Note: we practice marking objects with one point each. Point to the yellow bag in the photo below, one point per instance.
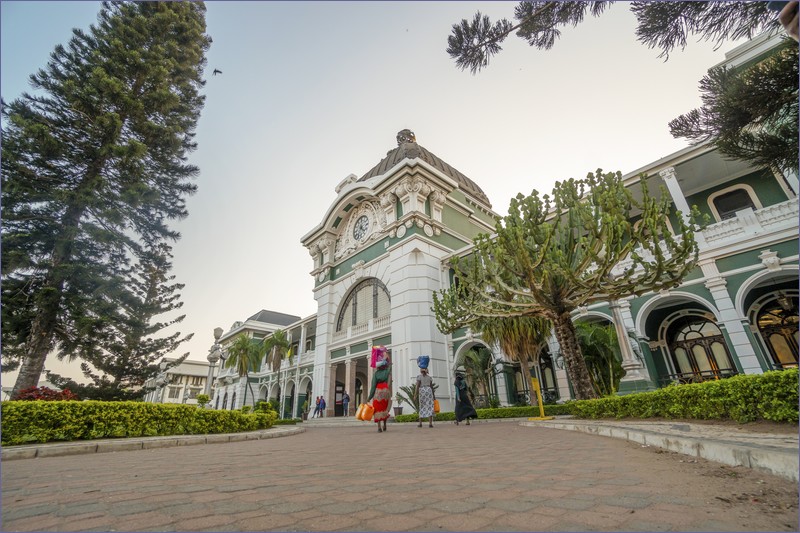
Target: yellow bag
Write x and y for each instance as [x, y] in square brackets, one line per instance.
[435, 406]
[360, 412]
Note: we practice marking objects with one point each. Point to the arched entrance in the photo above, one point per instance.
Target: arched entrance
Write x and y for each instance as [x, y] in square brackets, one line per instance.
[476, 360]
[775, 317]
[698, 349]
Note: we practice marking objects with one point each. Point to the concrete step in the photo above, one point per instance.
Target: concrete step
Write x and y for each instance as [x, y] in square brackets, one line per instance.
[338, 421]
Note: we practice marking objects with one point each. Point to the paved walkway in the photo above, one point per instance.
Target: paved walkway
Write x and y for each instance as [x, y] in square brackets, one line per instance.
[485, 477]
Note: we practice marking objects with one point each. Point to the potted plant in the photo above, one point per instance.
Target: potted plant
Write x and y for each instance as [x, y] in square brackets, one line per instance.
[305, 410]
[398, 408]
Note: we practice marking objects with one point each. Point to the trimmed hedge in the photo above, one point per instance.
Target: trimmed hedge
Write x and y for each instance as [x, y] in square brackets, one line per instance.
[286, 421]
[499, 412]
[29, 422]
[769, 396]
[745, 398]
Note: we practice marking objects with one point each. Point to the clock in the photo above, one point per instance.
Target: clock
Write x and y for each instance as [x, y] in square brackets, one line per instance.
[361, 227]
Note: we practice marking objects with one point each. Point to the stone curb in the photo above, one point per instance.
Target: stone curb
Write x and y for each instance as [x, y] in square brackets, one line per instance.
[8, 453]
[777, 461]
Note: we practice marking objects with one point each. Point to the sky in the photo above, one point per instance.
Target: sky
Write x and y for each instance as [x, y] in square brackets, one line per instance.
[311, 92]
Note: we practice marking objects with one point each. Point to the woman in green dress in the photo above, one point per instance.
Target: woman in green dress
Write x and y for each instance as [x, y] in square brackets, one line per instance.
[380, 393]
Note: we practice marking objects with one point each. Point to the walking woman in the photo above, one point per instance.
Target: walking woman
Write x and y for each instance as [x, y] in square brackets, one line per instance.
[464, 409]
[380, 394]
[423, 392]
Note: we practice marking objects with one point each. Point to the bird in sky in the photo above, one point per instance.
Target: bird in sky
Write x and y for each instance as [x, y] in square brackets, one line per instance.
[216, 71]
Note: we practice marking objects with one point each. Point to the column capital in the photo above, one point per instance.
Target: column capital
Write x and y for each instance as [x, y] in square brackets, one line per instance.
[716, 283]
[668, 174]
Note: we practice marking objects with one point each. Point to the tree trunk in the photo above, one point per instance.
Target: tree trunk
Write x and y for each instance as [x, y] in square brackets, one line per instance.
[573, 359]
[524, 364]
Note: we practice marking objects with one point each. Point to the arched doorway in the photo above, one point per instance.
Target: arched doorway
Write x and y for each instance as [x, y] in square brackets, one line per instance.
[698, 349]
[288, 401]
[477, 362]
[777, 322]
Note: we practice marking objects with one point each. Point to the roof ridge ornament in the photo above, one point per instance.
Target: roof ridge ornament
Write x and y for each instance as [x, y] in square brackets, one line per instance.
[406, 136]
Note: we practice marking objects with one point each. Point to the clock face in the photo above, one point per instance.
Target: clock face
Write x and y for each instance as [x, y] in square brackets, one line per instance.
[361, 227]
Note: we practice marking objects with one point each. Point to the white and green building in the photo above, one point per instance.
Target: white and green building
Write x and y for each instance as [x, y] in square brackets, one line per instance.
[384, 244]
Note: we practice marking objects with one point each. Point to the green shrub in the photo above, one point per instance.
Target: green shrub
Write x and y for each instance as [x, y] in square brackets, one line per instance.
[286, 421]
[744, 398]
[29, 422]
[500, 412]
[245, 408]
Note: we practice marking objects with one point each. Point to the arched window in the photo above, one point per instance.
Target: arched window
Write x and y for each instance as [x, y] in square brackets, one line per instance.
[368, 299]
[233, 401]
[698, 350]
[778, 323]
[725, 203]
[225, 402]
[216, 403]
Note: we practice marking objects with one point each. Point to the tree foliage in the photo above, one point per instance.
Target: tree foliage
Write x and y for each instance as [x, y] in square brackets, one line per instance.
[522, 338]
[601, 351]
[661, 25]
[244, 356]
[93, 169]
[551, 255]
[276, 347]
[132, 345]
[750, 113]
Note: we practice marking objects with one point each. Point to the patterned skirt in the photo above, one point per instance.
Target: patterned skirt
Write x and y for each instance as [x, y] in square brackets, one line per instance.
[425, 402]
[381, 402]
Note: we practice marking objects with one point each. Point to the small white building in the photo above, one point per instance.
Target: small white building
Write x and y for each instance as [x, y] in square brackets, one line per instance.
[179, 384]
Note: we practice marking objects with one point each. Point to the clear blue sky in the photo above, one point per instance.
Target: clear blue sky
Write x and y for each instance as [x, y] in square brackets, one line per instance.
[314, 91]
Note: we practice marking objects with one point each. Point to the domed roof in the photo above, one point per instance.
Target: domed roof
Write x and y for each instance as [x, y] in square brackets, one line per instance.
[407, 148]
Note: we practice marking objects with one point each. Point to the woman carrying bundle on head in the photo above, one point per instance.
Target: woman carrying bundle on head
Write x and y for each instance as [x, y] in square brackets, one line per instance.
[380, 393]
[423, 391]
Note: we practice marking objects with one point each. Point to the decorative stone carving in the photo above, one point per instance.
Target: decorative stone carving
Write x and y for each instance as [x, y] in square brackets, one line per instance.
[388, 199]
[401, 231]
[770, 260]
[358, 269]
[428, 230]
[406, 136]
[352, 178]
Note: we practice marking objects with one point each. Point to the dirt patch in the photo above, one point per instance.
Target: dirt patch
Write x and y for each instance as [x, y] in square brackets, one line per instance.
[745, 493]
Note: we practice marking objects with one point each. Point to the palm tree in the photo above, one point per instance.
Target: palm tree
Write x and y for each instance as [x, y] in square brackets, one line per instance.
[244, 356]
[600, 349]
[521, 338]
[276, 347]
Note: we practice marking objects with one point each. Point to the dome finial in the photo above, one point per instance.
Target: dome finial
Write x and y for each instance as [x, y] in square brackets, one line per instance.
[405, 136]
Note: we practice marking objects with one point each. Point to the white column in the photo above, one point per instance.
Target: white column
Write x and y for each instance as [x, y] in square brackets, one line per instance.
[636, 378]
[730, 318]
[674, 188]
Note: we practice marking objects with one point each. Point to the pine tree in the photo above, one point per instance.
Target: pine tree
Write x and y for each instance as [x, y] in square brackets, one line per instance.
[93, 169]
[662, 25]
[552, 255]
[132, 346]
[750, 113]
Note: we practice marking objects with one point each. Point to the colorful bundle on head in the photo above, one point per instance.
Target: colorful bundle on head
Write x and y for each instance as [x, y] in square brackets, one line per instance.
[378, 353]
[423, 360]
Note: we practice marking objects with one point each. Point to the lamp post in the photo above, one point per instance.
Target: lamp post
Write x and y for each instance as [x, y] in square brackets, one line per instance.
[213, 356]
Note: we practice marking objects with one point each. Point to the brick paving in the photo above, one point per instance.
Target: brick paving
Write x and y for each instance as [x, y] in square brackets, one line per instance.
[485, 477]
